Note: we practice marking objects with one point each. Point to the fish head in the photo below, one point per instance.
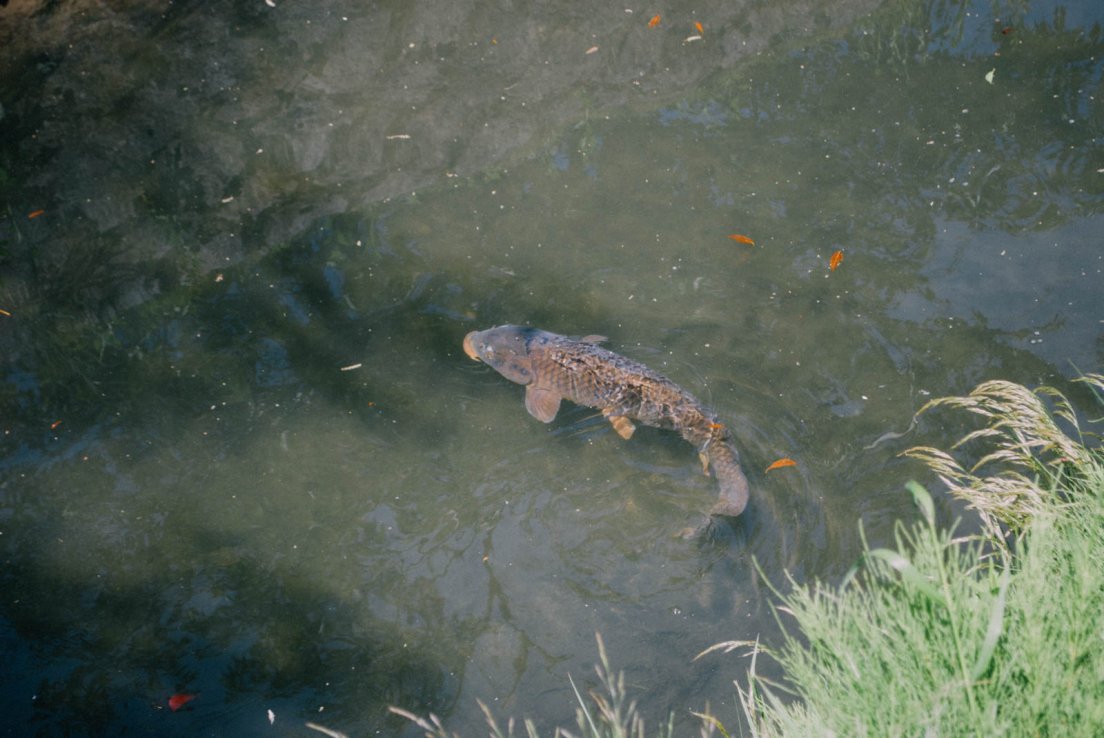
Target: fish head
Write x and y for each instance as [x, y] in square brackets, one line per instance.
[505, 349]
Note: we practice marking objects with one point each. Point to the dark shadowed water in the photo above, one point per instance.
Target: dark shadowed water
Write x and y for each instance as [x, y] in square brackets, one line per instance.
[244, 457]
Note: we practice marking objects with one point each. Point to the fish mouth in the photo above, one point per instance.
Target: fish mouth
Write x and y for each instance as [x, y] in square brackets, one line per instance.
[469, 349]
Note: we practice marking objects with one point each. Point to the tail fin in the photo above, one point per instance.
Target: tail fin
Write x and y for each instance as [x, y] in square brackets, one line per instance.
[725, 464]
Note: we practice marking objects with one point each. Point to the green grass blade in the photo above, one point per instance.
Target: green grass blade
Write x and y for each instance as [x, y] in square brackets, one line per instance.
[923, 500]
[909, 574]
[993, 632]
[583, 706]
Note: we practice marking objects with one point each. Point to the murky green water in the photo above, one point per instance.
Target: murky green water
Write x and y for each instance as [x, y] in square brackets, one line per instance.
[244, 456]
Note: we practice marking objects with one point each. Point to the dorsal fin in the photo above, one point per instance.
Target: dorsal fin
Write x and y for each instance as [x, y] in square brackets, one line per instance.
[593, 338]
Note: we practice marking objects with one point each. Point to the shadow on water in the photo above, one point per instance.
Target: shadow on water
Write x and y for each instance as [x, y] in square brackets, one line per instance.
[244, 456]
[117, 619]
[223, 626]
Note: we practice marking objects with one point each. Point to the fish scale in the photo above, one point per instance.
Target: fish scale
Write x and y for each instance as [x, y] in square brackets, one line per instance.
[554, 367]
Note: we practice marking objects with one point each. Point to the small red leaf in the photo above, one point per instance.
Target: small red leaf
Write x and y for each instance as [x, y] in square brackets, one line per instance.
[836, 260]
[741, 239]
[179, 700]
[654, 21]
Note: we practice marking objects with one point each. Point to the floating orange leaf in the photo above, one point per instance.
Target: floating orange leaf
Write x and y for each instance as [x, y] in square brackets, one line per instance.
[741, 239]
[179, 700]
[654, 21]
[698, 26]
[34, 214]
[836, 260]
[782, 463]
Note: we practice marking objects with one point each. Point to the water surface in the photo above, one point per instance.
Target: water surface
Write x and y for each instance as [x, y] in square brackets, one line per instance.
[245, 457]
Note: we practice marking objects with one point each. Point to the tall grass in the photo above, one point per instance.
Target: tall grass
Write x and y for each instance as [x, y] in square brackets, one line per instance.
[1026, 457]
[608, 713]
[997, 635]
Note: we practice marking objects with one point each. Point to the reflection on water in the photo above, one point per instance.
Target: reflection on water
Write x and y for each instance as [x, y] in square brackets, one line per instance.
[245, 457]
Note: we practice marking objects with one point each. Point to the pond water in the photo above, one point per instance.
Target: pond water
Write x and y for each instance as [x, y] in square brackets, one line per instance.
[244, 456]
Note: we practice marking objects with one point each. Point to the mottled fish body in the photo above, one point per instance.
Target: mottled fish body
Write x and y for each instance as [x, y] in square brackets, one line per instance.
[553, 368]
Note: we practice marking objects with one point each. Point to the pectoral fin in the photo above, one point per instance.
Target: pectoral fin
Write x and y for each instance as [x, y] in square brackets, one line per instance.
[542, 404]
[621, 424]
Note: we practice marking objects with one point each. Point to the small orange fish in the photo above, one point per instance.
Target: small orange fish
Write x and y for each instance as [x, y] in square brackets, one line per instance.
[782, 463]
[34, 214]
[179, 700]
[654, 21]
[741, 239]
[698, 26]
[836, 260]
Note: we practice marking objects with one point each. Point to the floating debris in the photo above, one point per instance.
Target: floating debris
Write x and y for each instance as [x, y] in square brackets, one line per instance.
[179, 700]
[327, 731]
[782, 463]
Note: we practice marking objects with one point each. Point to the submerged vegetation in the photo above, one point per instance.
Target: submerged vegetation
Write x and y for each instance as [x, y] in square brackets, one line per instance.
[1000, 633]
